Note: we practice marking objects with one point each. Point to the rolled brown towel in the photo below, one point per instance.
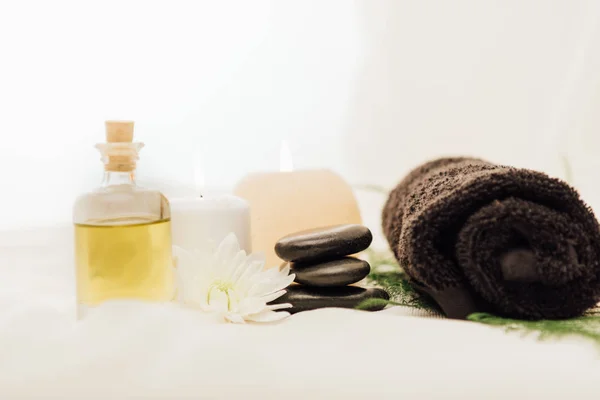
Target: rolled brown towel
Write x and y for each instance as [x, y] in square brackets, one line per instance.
[476, 236]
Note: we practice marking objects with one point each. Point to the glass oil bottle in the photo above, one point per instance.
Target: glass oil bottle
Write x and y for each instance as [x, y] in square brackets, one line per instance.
[122, 231]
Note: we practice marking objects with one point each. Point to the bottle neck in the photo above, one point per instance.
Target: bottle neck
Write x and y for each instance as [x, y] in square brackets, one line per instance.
[114, 178]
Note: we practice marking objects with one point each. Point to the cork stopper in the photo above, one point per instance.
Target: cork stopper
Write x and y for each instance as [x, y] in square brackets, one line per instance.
[119, 153]
[119, 131]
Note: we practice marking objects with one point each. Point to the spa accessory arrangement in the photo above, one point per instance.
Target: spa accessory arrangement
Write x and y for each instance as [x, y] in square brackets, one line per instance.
[471, 240]
[133, 243]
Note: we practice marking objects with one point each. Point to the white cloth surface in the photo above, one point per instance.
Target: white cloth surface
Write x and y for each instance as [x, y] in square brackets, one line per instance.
[127, 349]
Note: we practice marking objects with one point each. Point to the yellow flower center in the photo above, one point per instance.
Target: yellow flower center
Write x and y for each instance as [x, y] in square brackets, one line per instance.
[223, 287]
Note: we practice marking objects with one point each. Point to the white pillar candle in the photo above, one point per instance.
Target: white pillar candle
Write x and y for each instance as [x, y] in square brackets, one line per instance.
[195, 220]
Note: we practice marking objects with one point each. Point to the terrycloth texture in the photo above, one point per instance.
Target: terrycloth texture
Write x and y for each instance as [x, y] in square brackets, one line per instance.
[492, 238]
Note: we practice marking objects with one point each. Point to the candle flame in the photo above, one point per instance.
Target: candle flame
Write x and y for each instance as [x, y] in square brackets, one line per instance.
[285, 158]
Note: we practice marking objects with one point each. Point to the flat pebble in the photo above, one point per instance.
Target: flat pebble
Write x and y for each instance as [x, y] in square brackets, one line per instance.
[305, 298]
[341, 272]
[324, 243]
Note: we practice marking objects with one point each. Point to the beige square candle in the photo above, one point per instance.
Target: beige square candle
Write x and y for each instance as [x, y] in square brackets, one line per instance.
[286, 202]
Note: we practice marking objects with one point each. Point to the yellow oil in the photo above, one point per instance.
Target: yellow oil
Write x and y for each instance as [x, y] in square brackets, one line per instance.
[130, 261]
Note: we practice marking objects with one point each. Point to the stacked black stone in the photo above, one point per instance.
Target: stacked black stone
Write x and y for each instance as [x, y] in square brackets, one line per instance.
[321, 260]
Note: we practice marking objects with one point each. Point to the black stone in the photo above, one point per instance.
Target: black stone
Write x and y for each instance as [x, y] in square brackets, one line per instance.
[341, 272]
[324, 243]
[304, 298]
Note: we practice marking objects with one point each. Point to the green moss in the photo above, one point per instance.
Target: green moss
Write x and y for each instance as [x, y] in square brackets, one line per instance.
[587, 326]
[370, 304]
[387, 274]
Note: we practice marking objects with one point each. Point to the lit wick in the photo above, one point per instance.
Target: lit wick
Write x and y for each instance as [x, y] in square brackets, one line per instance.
[199, 180]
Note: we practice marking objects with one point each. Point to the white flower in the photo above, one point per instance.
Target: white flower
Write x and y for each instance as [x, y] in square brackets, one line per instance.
[226, 281]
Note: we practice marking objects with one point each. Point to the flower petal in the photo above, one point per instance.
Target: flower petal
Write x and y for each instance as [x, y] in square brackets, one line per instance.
[251, 305]
[218, 301]
[195, 290]
[285, 270]
[262, 288]
[268, 316]
[235, 318]
[236, 267]
[246, 280]
[273, 296]
[259, 256]
[267, 275]
[227, 250]
[281, 306]
[274, 273]
[198, 298]
[253, 264]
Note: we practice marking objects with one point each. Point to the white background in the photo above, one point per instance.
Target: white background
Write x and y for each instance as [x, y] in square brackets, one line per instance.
[368, 88]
